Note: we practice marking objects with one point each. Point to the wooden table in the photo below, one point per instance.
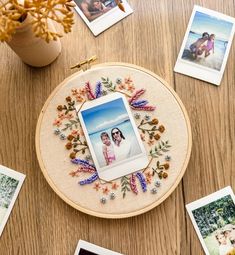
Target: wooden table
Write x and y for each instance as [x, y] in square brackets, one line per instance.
[41, 223]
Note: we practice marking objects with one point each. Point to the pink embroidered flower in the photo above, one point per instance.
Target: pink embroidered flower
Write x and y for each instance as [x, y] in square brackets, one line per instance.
[96, 186]
[61, 116]
[106, 190]
[131, 88]
[69, 116]
[74, 132]
[57, 122]
[148, 175]
[142, 136]
[149, 180]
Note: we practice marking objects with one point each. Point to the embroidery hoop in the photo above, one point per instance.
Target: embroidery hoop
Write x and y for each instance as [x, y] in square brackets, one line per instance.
[113, 215]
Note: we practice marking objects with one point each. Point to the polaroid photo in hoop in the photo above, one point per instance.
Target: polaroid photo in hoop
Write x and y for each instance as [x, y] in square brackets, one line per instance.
[99, 15]
[205, 48]
[85, 248]
[112, 136]
[213, 218]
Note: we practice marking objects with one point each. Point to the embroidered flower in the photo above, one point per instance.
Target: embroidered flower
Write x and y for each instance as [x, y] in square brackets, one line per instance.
[74, 173]
[147, 117]
[112, 196]
[79, 98]
[57, 122]
[60, 108]
[131, 88]
[61, 115]
[68, 99]
[161, 128]
[154, 121]
[115, 185]
[168, 158]
[105, 190]
[69, 116]
[137, 116]
[82, 91]
[74, 92]
[69, 145]
[72, 155]
[148, 174]
[150, 142]
[121, 86]
[157, 137]
[128, 80]
[142, 137]
[166, 166]
[74, 132]
[118, 80]
[149, 180]
[70, 137]
[96, 186]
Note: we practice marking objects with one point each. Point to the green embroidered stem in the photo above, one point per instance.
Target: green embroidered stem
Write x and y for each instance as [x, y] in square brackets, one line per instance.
[158, 149]
[125, 183]
[154, 131]
[108, 84]
[71, 124]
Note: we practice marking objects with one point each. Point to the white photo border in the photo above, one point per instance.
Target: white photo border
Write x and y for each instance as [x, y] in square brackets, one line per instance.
[106, 20]
[19, 177]
[128, 166]
[196, 70]
[205, 201]
[93, 248]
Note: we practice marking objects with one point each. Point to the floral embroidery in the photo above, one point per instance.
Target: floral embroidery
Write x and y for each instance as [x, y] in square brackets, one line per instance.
[151, 130]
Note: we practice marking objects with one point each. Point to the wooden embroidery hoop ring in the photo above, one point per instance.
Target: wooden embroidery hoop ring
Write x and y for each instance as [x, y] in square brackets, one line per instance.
[133, 213]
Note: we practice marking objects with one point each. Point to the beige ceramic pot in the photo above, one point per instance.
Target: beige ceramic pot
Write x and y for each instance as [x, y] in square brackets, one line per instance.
[32, 50]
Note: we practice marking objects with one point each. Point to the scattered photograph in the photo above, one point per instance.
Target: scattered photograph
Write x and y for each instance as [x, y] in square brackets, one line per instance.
[99, 15]
[85, 248]
[213, 218]
[206, 45]
[111, 134]
[10, 184]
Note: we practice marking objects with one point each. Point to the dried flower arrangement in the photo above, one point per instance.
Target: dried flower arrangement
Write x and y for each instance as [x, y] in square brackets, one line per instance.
[13, 13]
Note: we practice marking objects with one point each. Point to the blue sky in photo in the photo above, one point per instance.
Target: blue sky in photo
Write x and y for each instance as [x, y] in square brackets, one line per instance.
[205, 23]
[105, 116]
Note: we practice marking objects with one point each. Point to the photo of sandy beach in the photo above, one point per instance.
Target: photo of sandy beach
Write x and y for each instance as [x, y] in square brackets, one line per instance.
[207, 41]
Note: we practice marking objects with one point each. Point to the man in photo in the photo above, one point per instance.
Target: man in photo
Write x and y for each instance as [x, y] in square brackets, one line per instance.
[93, 9]
[122, 147]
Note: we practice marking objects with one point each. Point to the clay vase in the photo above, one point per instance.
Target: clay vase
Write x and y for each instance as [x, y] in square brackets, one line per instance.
[33, 50]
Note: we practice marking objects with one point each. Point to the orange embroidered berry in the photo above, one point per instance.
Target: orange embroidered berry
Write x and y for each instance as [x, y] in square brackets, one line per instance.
[161, 129]
[60, 108]
[69, 146]
[68, 99]
[165, 175]
[166, 166]
[72, 155]
[154, 122]
[70, 137]
[157, 137]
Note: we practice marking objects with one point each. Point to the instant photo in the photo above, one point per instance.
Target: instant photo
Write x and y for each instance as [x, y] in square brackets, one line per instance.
[206, 45]
[10, 184]
[85, 248]
[99, 15]
[213, 218]
[112, 136]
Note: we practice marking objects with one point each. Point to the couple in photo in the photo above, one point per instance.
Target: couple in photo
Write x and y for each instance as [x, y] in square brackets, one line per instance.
[226, 240]
[93, 9]
[117, 149]
[205, 44]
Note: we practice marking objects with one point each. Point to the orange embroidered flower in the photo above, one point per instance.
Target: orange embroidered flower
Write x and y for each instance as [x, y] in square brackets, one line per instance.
[79, 98]
[150, 142]
[70, 137]
[74, 173]
[131, 88]
[96, 186]
[82, 91]
[74, 132]
[157, 137]
[166, 166]
[72, 155]
[121, 86]
[128, 80]
[60, 107]
[115, 185]
[61, 115]
[161, 129]
[105, 190]
[74, 92]
[69, 116]
[68, 145]
[57, 122]
[149, 180]
[68, 99]
[148, 175]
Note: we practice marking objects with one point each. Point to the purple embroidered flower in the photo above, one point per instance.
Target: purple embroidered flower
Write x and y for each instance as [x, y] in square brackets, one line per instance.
[142, 180]
[139, 103]
[98, 90]
[91, 179]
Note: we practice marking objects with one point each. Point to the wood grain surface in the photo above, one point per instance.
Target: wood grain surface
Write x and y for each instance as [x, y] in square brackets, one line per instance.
[41, 223]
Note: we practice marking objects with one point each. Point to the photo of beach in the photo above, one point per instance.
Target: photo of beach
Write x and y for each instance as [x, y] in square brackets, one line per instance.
[111, 133]
[8, 187]
[207, 41]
